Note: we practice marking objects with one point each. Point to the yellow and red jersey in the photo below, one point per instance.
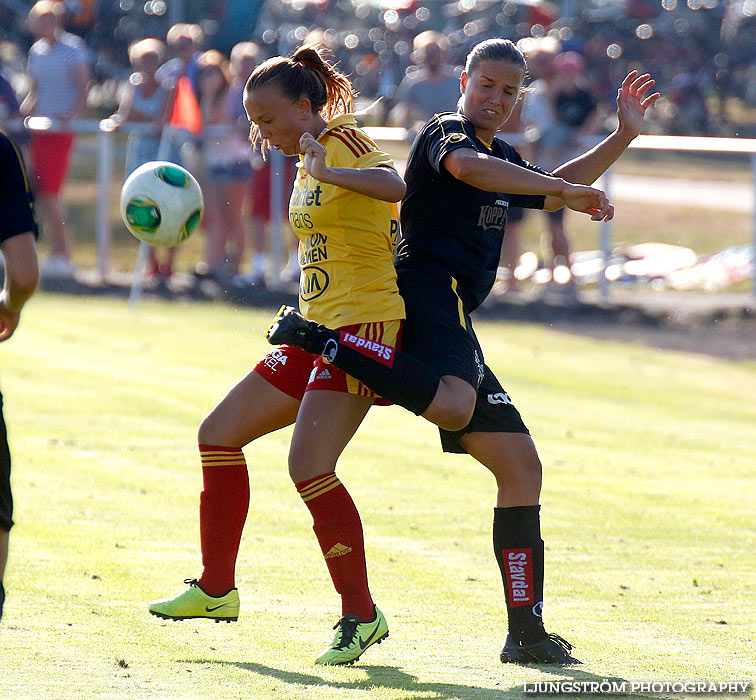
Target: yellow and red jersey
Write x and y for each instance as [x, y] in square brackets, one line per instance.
[346, 239]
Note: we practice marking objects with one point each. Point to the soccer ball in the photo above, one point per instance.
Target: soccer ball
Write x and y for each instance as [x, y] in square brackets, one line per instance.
[161, 203]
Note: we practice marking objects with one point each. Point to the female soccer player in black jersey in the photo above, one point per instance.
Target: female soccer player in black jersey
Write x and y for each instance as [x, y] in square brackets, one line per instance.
[460, 183]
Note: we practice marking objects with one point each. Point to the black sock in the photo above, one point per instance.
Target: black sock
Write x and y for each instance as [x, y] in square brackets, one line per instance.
[519, 552]
[390, 373]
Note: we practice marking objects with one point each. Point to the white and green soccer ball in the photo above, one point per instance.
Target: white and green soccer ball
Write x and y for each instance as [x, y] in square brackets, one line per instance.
[161, 203]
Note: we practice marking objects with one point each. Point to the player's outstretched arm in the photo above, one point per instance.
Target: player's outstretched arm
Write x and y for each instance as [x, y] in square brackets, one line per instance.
[632, 102]
[21, 278]
[379, 183]
[496, 175]
[492, 174]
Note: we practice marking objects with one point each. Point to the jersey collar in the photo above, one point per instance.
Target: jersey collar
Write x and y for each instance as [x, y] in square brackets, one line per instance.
[471, 126]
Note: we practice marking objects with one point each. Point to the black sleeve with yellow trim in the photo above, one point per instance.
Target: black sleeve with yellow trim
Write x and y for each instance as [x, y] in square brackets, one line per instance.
[16, 200]
[443, 134]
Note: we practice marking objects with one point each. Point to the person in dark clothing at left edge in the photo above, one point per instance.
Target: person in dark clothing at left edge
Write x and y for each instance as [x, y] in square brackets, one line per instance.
[18, 232]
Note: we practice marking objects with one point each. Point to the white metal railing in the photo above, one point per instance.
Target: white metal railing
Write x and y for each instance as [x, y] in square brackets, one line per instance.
[105, 128]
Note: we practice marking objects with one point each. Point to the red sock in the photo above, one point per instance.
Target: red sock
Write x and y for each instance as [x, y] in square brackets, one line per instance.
[338, 528]
[224, 503]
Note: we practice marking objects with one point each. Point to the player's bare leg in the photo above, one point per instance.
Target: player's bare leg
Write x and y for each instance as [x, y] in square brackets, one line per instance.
[326, 422]
[252, 408]
[518, 547]
[513, 460]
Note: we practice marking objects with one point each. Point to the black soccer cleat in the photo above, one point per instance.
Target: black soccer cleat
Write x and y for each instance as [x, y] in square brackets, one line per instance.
[552, 649]
[289, 327]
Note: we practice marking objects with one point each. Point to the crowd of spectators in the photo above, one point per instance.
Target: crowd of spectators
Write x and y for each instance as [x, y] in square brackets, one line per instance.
[120, 57]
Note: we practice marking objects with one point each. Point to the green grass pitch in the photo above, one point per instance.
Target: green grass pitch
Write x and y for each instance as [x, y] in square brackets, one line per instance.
[649, 505]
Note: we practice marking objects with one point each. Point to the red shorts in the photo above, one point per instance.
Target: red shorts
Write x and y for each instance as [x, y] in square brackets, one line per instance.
[295, 371]
[259, 203]
[50, 155]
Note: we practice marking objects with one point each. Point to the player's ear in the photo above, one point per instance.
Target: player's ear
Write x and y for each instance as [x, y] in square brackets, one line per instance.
[303, 107]
[463, 82]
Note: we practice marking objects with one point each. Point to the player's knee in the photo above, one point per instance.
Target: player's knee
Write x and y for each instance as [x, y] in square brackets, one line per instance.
[301, 468]
[455, 415]
[209, 432]
[453, 406]
[529, 470]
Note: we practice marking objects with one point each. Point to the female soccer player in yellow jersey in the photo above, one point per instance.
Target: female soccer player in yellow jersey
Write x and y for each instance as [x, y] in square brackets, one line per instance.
[343, 211]
[460, 183]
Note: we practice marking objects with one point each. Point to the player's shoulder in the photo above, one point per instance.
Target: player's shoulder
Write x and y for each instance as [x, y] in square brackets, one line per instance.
[445, 123]
[449, 129]
[345, 136]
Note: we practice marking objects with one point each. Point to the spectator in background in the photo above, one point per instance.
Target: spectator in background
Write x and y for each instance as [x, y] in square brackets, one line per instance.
[58, 68]
[691, 113]
[558, 112]
[261, 218]
[533, 115]
[433, 87]
[179, 76]
[244, 59]
[184, 43]
[227, 171]
[144, 101]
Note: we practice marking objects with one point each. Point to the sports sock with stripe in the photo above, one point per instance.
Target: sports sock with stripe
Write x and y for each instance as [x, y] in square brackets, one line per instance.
[519, 552]
[224, 503]
[338, 527]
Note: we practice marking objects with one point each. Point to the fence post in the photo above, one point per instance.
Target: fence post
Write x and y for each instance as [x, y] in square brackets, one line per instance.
[605, 234]
[102, 211]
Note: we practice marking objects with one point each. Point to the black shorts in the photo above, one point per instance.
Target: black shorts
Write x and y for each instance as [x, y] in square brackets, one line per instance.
[439, 332]
[6, 498]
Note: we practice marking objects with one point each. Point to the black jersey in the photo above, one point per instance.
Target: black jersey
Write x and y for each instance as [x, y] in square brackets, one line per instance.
[449, 221]
[16, 202]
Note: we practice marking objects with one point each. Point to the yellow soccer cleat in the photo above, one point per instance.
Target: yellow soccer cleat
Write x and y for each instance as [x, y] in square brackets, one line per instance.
[352, 638]
[195, 603]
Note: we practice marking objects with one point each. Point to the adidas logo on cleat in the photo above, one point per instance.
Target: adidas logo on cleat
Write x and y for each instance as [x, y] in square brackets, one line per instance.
[338, 550]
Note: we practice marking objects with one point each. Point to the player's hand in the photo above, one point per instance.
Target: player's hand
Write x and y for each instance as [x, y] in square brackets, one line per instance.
[588, 200]
[8, 321]
[314, 156]
[632, 101]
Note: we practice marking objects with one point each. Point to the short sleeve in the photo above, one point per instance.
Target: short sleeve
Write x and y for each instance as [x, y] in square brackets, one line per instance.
[441, 137]
[15, 197]
[350, 147]
[375, 159]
